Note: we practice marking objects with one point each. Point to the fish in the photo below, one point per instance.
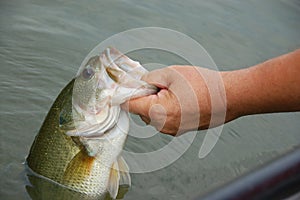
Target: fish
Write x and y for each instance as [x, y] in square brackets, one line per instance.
[80, 142]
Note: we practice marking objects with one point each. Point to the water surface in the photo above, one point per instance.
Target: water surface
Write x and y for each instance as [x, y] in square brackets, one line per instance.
[42, 44]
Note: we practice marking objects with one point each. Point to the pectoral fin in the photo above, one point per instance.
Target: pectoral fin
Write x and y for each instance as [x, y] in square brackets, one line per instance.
[114, 178]
[78, 169]
[124, 172]
[119, 175]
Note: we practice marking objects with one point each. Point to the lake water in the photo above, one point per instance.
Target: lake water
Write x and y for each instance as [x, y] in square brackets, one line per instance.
[42, 44]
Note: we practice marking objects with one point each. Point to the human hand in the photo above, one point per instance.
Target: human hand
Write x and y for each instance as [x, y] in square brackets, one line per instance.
[187, 98]
[198, 98]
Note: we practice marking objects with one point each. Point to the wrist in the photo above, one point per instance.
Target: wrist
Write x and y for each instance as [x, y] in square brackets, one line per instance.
[236, 93]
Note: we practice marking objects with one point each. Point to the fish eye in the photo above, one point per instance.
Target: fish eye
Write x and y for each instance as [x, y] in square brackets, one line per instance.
[88, 73]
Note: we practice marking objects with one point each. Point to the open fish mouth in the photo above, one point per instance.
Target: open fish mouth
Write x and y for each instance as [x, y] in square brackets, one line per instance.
[127, 74]
[105, 82]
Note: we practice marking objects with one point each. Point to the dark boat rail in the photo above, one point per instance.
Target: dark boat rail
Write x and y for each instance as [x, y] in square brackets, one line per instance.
[279, 179]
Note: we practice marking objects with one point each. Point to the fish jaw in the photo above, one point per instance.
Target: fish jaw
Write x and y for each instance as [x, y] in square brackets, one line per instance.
[120, 130]
[92, 125]
[117, 60]
[123, 94]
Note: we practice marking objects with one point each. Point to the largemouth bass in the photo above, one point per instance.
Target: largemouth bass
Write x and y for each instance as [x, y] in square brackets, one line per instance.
[80, 141]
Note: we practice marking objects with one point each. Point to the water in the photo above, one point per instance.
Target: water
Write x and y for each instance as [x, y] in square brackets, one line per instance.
[42, 44]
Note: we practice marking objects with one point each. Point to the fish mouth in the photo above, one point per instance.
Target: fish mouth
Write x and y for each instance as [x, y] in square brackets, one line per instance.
[126, 76]
[92, 125]
[91, 133]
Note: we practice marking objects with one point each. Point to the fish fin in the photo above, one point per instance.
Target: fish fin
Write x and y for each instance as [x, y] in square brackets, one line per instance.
[114, 178]
[78, 169]
[124, 172]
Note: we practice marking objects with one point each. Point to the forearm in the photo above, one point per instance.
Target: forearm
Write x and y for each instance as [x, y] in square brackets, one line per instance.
[272, 86]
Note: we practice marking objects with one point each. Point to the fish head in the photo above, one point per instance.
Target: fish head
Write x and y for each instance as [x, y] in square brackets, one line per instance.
[93, 113]
[103, 83]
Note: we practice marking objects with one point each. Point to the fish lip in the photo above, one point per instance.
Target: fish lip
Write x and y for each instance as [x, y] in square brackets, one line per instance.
[93, 126]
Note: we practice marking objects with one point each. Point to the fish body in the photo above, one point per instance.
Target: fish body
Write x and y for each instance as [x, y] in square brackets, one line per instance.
[80, 141]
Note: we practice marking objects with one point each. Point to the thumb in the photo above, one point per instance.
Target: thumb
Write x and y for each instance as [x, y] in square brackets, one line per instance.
[139, 106]
[158, 77]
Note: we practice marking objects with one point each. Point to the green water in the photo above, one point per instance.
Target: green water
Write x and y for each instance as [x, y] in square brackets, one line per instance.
[42, 44]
